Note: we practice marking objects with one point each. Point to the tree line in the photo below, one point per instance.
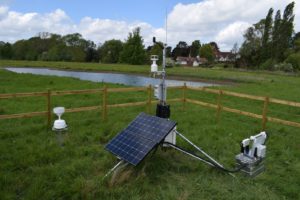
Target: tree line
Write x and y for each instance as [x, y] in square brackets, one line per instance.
[271, 43]
[73, 47]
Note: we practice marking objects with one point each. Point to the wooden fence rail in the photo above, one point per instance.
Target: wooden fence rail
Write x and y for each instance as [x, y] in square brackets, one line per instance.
[246, 96]
[266, 102]
[149, 101]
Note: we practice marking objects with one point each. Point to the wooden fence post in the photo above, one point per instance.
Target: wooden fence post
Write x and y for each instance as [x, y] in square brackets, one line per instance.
[264, 114]
[104, 103]
[149, 98]
[219, 105]
[49, 108]
[184, 95]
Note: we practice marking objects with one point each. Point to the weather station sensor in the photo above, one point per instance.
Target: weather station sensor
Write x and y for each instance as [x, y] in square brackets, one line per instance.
[59, 124]
[154, 66]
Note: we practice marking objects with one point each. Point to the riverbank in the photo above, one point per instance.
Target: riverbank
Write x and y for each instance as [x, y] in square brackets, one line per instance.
[194, 73]
[117, 78]
[277, 85]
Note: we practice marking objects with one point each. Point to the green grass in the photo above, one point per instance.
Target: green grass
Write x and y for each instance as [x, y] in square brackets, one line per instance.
[34, 166]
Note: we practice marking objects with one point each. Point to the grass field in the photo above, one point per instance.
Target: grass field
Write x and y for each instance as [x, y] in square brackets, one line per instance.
[34, 166]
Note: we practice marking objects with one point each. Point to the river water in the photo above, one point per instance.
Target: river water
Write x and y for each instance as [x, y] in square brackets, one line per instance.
[126, 79]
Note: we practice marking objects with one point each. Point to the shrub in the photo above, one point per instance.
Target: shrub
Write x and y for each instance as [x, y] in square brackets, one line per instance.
[268, 65]
[169, 63]
[286, 67]
[294, 59]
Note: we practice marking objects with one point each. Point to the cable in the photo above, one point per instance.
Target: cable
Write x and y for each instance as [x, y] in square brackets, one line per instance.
[205, 160]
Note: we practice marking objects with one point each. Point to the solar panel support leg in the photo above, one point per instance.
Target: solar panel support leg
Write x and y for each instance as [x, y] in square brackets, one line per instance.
[196, 147]
[113, 169]
[185, 152]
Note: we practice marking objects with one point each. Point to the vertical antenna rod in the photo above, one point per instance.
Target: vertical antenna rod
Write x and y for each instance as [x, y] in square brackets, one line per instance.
[166, 26]
[162, 108]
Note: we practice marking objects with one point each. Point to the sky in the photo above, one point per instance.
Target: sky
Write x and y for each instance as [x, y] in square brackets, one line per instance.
[222, 21]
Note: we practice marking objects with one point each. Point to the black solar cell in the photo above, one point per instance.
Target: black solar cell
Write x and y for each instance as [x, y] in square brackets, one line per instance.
[140, 137]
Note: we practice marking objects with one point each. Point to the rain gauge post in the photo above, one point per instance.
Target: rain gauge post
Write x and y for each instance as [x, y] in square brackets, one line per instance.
[162, 108]
[60, 126]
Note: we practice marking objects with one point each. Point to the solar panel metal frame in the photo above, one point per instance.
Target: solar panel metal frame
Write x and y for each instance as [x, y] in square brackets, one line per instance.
[141, 136]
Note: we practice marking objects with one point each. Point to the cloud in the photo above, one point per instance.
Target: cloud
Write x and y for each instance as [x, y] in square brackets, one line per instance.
[223, 21]
[15, 25]
[208, 20]
[233, 33]
[103, 29]
[3, 11]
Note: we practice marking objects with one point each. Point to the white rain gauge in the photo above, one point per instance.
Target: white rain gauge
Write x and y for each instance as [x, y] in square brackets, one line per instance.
[59, 124]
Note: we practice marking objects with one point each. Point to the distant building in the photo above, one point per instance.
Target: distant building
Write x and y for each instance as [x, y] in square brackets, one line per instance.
[182, 60]
[221, 56]
[190, 61]
[224, 56]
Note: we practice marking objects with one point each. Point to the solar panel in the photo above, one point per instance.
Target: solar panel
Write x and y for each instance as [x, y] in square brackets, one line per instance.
[140, 137]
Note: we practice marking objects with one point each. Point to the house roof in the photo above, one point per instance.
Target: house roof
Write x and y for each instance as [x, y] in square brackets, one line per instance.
[224, 54]
[187, 59]
[191, 59]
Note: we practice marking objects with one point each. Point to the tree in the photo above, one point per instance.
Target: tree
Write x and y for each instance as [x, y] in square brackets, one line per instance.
[78, 47]
[181, 49]
[133, 50]
[44, 35]
[234, 51]
[74, 40]
[294, 58]
[156, 50]
[251, 46]
[268, 42]
[169, 52]
[286, 30]
[20, 47]
[214, 46]
[296, 45]
[296, 37]
[48, 46]
[91, 55]
[282, 32]
[58, 53]
[110, 51]
[276, 36]
[5, 50]
[206, 51]
[195, 48]
[266, 37]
